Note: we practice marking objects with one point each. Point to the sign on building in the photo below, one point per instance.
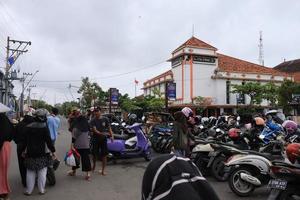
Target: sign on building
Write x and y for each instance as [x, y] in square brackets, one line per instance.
[171, 91]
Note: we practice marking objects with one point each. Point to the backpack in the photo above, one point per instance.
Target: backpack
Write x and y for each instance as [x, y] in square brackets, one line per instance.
[170, 177]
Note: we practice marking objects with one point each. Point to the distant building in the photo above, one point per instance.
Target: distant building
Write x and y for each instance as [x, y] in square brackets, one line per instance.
[292, 67]
[200, 71]
[11, 101]
[157, 83]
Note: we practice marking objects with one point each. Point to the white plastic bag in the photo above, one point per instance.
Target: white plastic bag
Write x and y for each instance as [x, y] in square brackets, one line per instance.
[70, 160]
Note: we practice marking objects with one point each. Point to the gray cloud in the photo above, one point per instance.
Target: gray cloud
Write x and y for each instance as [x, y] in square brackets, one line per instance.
[71, 39]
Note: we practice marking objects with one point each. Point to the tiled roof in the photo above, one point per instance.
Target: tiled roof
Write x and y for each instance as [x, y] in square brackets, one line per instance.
[231, 64]
[169, 72]
[195, 42]
[289, 66]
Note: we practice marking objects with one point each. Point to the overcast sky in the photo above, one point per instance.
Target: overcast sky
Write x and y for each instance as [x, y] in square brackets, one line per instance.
[116, 41]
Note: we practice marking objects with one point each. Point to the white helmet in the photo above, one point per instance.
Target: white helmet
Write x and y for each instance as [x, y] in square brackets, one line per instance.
[187, 112]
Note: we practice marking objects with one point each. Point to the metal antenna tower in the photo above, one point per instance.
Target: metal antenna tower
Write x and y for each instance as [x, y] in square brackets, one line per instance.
[261, 49]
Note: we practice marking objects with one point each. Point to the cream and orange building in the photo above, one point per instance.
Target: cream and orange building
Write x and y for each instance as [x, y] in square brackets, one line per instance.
[199, 70]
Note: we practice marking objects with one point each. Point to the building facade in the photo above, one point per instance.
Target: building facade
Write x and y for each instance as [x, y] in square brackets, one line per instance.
[200, 71]
[2, 90]
[292, 67]
[157, 84]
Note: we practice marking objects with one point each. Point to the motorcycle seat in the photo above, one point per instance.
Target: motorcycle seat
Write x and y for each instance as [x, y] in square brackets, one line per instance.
[121, 137]
[268, 156]
[132, 150]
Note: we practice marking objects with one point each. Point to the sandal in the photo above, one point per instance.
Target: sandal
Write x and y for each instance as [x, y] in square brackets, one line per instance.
[88, 178]
[102, 173]
[71, 173]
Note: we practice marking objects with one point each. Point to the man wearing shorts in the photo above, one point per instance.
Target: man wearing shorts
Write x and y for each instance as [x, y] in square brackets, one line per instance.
[100, 131]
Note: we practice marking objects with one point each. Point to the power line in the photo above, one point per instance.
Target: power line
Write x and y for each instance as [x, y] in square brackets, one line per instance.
[103, 77]
[17, 26]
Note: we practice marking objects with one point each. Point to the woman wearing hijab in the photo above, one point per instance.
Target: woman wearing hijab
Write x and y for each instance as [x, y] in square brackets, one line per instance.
[81, 143]
[181, 135]
[6, 135]
[37, 160]
[19, 140]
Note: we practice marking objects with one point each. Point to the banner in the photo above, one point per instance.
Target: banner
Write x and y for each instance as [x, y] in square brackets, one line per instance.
[114, 92]
[171, 91]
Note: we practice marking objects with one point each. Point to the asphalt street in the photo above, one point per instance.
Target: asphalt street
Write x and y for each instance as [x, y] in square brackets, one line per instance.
[123, 180]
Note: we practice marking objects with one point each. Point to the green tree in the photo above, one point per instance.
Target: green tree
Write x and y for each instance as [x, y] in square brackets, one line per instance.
[285, 94]
[156, 104]
[127, 104]
[270, 93]
[41, 104]
[252, 89]
[66, 108]
[92, 93]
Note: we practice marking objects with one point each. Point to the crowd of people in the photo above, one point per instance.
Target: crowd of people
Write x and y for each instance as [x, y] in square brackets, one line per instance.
[35, 137]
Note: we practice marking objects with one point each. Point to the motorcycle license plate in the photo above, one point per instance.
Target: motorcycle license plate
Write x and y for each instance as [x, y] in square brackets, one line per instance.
[277, 184]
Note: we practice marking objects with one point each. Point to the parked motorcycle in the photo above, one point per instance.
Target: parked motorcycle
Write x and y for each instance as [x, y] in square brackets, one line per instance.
[250, 169]
[117, 147]
[285, 182]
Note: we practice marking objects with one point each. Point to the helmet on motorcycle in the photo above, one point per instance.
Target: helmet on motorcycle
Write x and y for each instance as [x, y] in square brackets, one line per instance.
[212, 120]
[259, 121]
[293, 152]
[290, 126]
[41, 115]
[187, 112]
[204, 120]
[234, 133]
[132, 118]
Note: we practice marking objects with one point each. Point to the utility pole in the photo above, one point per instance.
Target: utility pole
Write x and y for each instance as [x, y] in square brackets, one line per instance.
[29, 93]
[109, 100]
[261, 50]
[25, 75]
[23, 79]
[12, 54]
[166, 97]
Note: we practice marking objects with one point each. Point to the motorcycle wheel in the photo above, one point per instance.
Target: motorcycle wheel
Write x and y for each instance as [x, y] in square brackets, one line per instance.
[155, 144]
[217, 168]
[51, 180]
[237, 185]
[291, 193]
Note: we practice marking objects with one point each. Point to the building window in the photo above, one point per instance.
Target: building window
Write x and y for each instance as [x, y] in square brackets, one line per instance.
[241, 98]
[176, 61]
[227, 92]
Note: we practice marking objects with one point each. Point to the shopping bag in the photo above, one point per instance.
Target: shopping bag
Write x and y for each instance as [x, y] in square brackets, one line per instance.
[76, 156]
[70, 159]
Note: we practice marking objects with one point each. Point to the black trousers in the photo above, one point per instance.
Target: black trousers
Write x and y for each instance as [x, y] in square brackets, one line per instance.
[85, 160]
[22, 167]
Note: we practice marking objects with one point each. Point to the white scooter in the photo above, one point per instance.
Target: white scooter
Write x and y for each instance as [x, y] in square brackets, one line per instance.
[250, 169]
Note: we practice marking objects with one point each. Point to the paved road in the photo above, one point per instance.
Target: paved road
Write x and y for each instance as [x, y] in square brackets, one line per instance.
[122, 182]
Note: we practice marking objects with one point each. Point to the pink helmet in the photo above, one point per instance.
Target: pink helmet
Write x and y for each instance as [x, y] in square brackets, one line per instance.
[290, 126]
[187, 112]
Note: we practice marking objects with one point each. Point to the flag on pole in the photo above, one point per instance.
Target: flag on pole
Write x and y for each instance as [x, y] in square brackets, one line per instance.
[136, 81]
[11, 60]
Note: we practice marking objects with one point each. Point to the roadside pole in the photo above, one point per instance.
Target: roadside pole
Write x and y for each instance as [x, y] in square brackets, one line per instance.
[11, 59]
[6, 73]
[166, 97]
